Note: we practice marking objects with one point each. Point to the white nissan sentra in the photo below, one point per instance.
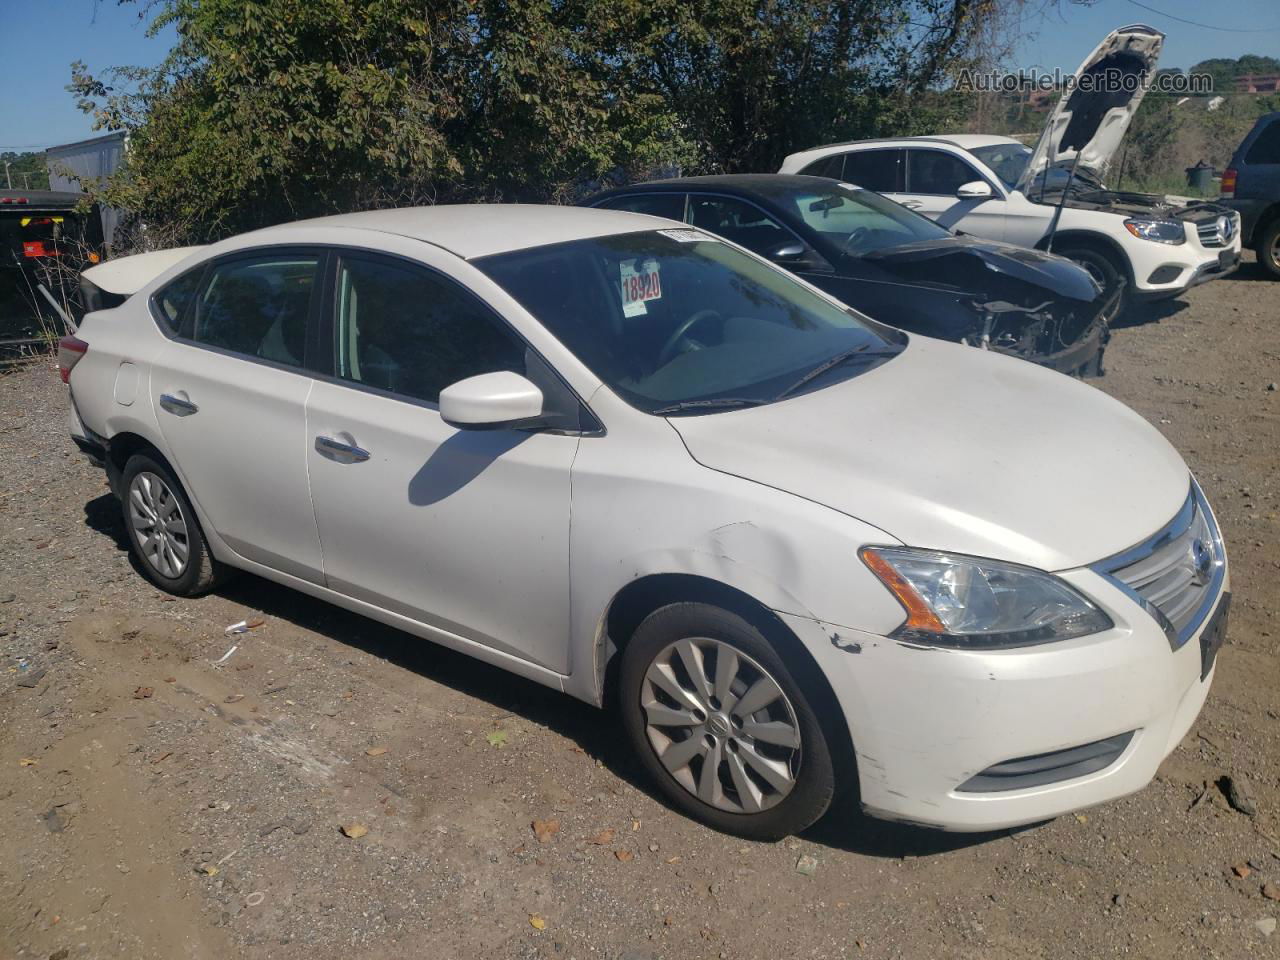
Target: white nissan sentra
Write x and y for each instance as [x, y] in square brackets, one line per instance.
[800, 550]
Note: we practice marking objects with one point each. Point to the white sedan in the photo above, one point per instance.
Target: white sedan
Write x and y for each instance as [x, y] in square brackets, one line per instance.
[798, 549]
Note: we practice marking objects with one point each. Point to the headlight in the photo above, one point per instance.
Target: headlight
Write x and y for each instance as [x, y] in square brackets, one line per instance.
[1161, 231]
[958, 601]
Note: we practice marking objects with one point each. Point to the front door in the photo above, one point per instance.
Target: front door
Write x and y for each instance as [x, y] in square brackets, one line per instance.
[464, 530]
[933, 177]
[230, 397]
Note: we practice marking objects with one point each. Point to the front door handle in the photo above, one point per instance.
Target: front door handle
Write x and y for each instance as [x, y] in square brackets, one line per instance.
[178, 406]
[911, 204]
[341, 452]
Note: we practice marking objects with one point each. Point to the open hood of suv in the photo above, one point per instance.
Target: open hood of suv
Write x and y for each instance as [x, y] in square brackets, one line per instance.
[1089, 122]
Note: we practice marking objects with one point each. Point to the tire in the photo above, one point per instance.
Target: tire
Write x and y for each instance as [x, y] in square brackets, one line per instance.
[1105, 270]
[148, 487]
[764, 787]
[1268, 249]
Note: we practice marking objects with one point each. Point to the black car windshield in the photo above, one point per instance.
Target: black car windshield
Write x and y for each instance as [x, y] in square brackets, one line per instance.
[858, 221]
[677, 322]
[1006, 160]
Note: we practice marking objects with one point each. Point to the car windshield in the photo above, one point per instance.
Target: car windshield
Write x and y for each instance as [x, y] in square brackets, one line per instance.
[859, 221]
[678, 322]
[1006, 160]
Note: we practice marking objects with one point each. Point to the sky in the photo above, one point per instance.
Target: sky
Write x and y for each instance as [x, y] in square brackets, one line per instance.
[42, 37]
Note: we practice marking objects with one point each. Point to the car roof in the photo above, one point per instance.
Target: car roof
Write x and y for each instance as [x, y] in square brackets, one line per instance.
[766, 183]
[965, 141]
[480, 229]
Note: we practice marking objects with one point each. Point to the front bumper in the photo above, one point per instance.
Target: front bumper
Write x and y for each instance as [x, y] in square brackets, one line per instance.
[1161, 272]
[924, 721]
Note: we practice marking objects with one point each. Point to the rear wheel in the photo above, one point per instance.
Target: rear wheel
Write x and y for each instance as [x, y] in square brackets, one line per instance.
[1268, 249]
[721, 725]
[1109, 275]
[163, 530]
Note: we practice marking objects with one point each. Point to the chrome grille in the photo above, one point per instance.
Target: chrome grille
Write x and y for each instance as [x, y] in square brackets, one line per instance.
[1220, 231]
[1176, 575]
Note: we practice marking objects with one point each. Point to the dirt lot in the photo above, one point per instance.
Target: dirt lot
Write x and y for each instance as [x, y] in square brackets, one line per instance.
[159, 803]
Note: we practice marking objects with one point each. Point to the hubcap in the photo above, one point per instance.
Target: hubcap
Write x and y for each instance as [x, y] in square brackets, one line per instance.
[158, 525]
[721, 725]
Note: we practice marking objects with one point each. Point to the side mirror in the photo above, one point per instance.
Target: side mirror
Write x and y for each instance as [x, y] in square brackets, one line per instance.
[490, 401]
[788, 253]
[975, 190]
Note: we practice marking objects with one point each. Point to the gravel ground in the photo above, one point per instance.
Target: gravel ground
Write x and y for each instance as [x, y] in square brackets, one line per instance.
[160, 801]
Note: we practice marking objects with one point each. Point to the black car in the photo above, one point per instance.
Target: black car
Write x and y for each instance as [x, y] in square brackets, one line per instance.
[46, 239]
[1252, 185]
[895, 265]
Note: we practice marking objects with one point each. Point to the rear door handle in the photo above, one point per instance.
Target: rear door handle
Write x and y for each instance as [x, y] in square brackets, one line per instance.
[340, 452]
[178, 406]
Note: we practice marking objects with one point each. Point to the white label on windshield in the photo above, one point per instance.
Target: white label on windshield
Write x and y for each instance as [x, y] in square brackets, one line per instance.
[641, 282]
[686, 236]
[849, 186]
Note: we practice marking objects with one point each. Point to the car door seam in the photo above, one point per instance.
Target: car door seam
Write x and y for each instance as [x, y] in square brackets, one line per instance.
[306, 461]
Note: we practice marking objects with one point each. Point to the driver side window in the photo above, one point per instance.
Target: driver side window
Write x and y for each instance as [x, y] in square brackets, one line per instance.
[741, 222]
[936, 173]
[408, 331]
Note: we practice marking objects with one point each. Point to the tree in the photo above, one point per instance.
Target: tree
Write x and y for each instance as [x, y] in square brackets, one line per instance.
[270, 110]
[25, 171]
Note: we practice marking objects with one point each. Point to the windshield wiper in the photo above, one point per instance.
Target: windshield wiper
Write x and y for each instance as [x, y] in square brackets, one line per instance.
[714, 403]
[831, 362]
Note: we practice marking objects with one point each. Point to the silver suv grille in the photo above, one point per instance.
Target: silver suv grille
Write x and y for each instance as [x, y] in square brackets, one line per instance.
[1176, 575]
[1220, 231]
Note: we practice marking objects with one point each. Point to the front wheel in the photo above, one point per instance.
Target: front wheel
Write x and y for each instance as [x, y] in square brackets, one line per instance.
[721, 725]
[1268, 249]
[1109, 275]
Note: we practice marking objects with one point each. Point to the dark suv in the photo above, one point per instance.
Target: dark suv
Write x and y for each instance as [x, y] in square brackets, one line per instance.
[1252, 185]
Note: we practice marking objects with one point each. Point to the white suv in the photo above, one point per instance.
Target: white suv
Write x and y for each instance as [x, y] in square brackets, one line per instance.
[1150, 247]
[634, 462]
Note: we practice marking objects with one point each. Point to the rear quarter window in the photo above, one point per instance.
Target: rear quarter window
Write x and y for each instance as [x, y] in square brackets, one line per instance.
[1265, 149]
[171, 303]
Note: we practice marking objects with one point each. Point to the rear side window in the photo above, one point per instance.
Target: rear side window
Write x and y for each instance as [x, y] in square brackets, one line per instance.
[173, 301]
[409, 331]
[258, 306]
[1266, 149]
[669, 205]
[935, 172]
[878, 170]
[832, 166]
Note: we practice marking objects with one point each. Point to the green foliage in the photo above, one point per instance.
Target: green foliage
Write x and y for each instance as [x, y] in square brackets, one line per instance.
[26, 171]
[1224, 70]
[271, 110]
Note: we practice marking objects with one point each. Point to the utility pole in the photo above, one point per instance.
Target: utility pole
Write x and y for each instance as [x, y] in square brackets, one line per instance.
[8, 182]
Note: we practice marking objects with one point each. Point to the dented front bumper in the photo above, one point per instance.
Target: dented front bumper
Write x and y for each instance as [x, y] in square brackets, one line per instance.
[925, 722]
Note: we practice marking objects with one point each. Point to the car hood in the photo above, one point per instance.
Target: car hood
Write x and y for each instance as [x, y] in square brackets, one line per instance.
[1055, 274]
[953, 448]
[1087, 126]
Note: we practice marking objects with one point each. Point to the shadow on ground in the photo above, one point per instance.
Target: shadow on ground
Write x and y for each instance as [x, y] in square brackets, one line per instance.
[845, 826]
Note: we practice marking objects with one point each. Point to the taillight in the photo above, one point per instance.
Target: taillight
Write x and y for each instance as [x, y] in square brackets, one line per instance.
[70, 349]
[1229, 178]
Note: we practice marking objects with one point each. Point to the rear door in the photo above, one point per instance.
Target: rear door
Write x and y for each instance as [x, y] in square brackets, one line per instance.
[464, 530]
[230, 393]
[882, 170]
[933, 177]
